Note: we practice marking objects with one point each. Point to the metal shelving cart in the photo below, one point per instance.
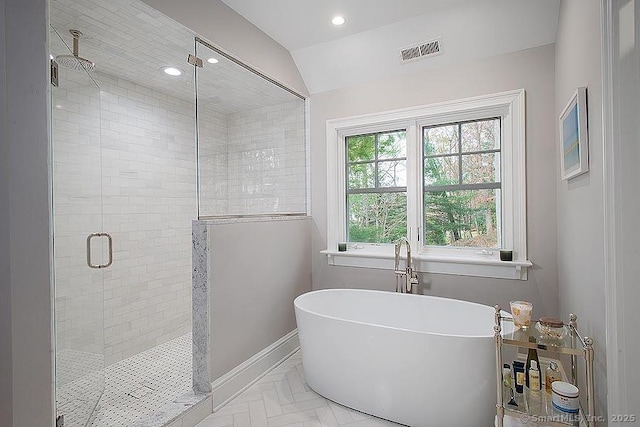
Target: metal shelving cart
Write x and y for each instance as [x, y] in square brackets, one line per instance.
[572, 344]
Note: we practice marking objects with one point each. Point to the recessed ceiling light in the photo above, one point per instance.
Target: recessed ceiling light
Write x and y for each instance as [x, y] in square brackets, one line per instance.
[172, 71]
[337, 20]
[212, 61]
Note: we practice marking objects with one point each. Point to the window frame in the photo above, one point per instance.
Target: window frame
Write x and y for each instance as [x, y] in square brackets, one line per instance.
[468, 251]
[510, 107]
[377, 188]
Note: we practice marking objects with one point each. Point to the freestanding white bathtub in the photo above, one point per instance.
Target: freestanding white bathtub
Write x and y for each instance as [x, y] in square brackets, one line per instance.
[413, 359]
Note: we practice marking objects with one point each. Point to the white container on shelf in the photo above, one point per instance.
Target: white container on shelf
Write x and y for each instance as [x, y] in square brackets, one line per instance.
[564, 396]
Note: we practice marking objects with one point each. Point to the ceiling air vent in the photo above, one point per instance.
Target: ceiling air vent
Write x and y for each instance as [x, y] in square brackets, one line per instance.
[422, 50]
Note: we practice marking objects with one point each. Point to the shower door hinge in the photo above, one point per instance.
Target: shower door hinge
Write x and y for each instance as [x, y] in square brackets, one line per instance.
[54, 75]
[60, 421]
[194, 60]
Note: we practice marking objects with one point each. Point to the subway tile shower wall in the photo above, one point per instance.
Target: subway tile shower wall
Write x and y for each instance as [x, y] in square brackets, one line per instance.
[253, 161]
[213, 158]
[145, 141]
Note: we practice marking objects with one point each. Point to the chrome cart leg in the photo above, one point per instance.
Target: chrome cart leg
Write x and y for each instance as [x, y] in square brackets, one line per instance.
[498, 340]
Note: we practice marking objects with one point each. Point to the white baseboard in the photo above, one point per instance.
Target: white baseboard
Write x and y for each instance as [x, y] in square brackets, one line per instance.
[250, 371]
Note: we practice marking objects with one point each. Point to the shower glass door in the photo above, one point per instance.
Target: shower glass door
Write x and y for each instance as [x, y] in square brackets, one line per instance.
[78, 251]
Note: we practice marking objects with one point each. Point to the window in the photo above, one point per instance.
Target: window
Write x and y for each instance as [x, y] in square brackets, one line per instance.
[461, 169]
[376, 187]
[450, 177]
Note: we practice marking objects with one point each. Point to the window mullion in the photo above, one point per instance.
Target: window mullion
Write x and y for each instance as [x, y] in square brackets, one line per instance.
[414, 180]
[376, 160]
[460, 153]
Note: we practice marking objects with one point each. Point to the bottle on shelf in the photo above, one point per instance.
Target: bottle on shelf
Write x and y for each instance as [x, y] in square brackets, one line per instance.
[506, 375]
[534, 377]
[532, 355]
[551, 374]
[520, 375]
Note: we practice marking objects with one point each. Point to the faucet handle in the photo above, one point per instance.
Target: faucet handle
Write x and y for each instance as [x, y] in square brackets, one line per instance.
[413, 281]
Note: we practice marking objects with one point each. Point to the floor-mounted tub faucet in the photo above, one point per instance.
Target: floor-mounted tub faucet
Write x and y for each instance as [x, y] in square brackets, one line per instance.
[405, 279]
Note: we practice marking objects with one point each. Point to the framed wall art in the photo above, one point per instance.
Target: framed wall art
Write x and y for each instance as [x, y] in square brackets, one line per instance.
[574, 136]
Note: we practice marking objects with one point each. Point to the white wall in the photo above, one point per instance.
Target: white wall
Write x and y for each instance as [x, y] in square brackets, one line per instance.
[27, 208]
[258, 268]
[532, 70]
[580, 203]
[222, 26]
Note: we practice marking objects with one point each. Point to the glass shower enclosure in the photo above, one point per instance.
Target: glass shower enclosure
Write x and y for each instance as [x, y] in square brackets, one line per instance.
[252, 154]
[123, 153]
[143, 143]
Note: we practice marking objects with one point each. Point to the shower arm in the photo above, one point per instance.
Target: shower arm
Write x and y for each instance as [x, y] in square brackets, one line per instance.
[76, 41]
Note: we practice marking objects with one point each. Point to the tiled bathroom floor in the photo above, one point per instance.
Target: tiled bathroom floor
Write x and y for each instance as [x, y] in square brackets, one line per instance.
[145, 390]
[282, 398]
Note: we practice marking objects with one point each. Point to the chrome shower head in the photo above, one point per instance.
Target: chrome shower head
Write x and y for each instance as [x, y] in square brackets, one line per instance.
[74, 61]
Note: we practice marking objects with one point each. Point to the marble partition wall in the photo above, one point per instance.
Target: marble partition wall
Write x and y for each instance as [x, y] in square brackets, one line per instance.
[246, 273]
[201, 304]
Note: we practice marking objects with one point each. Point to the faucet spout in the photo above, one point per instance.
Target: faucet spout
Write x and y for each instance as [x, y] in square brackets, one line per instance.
[405, 279]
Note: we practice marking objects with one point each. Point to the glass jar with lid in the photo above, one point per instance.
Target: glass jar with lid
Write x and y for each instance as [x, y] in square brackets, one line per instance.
[551, 329]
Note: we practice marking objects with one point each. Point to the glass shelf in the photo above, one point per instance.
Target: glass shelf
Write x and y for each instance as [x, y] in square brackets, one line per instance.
[571, 344]
[537, 407]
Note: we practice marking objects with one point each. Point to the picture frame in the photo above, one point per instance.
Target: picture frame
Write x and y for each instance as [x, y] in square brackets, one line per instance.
[574, 136]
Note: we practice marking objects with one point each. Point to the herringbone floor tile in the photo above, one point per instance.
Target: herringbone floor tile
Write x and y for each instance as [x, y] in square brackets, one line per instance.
[282, 398]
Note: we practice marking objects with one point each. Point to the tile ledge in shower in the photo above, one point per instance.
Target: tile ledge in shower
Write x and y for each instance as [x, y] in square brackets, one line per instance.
[258, 218]
[462, 266]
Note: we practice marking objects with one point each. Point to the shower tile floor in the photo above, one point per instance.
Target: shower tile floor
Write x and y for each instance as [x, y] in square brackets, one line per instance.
[145, 390]
[283, 398]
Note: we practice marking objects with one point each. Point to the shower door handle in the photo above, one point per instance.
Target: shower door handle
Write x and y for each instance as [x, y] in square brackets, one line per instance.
[110, 261]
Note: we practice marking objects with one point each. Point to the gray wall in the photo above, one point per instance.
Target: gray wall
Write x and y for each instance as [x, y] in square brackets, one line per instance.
[580, 201]
[258, 268]
[222, 26]
[25, 209]
[532, 70]
[5, 270]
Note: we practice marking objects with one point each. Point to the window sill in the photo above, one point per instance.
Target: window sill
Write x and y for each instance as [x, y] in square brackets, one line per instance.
[469, 266]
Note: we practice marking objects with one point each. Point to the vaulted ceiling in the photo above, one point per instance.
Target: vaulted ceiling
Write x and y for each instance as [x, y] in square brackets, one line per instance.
[367, 46]
[131, 40]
